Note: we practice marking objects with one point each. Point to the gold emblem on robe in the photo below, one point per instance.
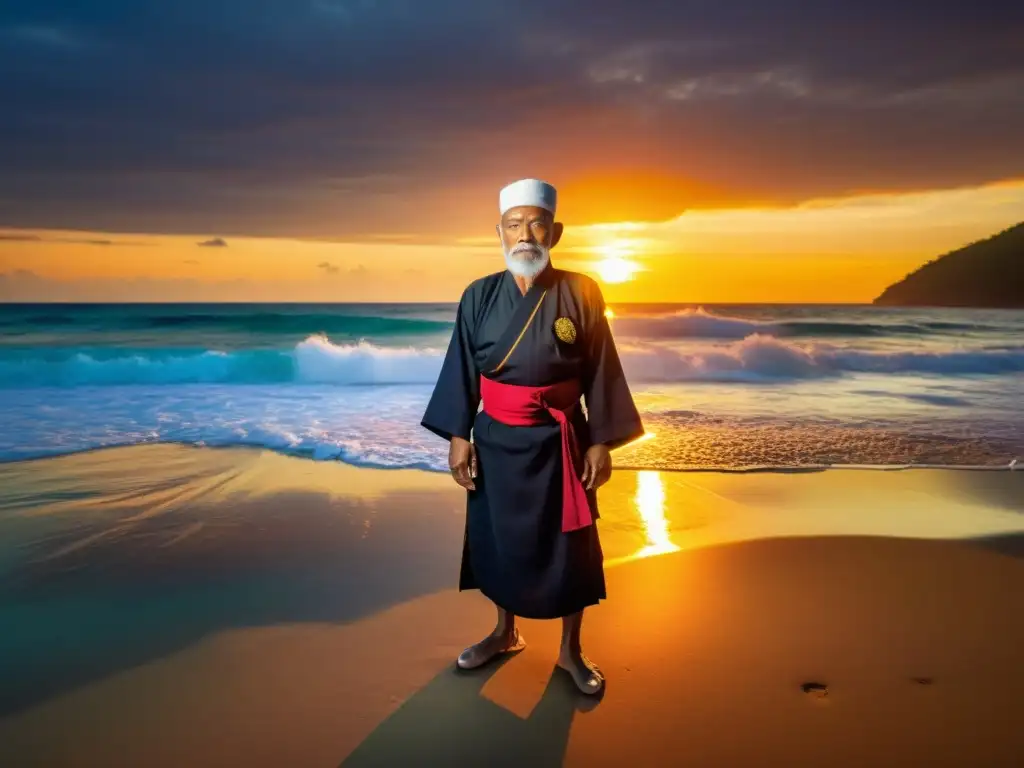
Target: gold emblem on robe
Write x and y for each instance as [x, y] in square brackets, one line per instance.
[565, 330]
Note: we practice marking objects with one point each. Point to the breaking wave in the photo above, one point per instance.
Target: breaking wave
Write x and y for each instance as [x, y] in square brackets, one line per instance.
[316, 360]
[759, 357]
[700, 324]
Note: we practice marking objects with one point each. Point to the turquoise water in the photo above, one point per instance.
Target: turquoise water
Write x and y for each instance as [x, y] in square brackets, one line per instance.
[730, 386]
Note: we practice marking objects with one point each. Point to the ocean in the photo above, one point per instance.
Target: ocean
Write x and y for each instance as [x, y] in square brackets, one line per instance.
[726, 387]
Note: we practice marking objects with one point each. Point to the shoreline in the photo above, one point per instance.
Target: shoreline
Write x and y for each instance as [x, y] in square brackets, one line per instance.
[1015, 464]
[85, 512]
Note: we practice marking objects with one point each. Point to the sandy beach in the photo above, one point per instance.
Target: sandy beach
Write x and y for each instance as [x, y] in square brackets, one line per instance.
[167, 606]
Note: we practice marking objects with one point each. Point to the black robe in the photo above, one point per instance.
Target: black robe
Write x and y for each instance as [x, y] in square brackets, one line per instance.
[514, 549]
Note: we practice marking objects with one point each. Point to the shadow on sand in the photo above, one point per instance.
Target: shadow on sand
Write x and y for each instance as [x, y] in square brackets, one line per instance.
[450, 723]
[142, 593]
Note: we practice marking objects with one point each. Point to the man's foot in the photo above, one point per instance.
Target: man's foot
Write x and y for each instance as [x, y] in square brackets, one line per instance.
[490, 647]
[585, 673]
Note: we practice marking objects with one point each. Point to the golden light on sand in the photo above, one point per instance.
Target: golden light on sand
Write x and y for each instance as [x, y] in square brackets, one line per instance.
[650, 504]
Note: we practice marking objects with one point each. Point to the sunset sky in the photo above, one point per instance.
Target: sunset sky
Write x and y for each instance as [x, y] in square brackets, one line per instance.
[338, 150]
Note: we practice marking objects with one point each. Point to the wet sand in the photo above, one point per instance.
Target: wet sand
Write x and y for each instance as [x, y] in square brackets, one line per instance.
[168, 606]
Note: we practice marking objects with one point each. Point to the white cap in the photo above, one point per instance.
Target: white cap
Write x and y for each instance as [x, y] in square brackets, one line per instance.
[527, 192]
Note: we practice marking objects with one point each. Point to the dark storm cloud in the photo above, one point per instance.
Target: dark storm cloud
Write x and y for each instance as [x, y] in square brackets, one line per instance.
[325, 117]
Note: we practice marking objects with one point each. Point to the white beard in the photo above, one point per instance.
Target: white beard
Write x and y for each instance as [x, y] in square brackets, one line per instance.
[529, 262]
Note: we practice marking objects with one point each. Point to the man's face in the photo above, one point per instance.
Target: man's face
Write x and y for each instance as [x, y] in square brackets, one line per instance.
[527, 236]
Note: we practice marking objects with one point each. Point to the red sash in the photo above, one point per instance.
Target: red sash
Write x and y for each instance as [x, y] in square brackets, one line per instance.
[519, 406]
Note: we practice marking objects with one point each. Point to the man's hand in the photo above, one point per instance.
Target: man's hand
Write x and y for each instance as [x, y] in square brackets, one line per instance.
[597, 467]
[462, 462]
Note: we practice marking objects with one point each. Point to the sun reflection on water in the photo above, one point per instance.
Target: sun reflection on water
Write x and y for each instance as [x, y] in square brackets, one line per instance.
[650, 504]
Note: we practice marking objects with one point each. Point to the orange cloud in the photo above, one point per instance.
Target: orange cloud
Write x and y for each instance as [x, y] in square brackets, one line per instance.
[636, 195]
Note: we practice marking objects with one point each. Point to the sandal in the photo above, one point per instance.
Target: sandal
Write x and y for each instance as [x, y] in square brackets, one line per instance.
[589, 679]
[475, 656]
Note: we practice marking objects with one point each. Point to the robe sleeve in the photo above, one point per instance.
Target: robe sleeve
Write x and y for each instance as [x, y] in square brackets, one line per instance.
[612, 415]
[456, 397]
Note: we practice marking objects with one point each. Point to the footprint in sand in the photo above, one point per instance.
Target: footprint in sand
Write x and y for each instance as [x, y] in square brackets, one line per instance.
[923, 680]
[816, 691]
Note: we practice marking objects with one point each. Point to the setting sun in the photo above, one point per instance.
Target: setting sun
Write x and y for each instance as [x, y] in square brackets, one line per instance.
[616, 269]
[614, 265]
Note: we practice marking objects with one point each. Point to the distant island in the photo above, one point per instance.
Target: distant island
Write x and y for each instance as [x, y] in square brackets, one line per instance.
[988, 273]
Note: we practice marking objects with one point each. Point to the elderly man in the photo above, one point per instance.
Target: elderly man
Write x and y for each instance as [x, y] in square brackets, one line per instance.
[529, 342]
